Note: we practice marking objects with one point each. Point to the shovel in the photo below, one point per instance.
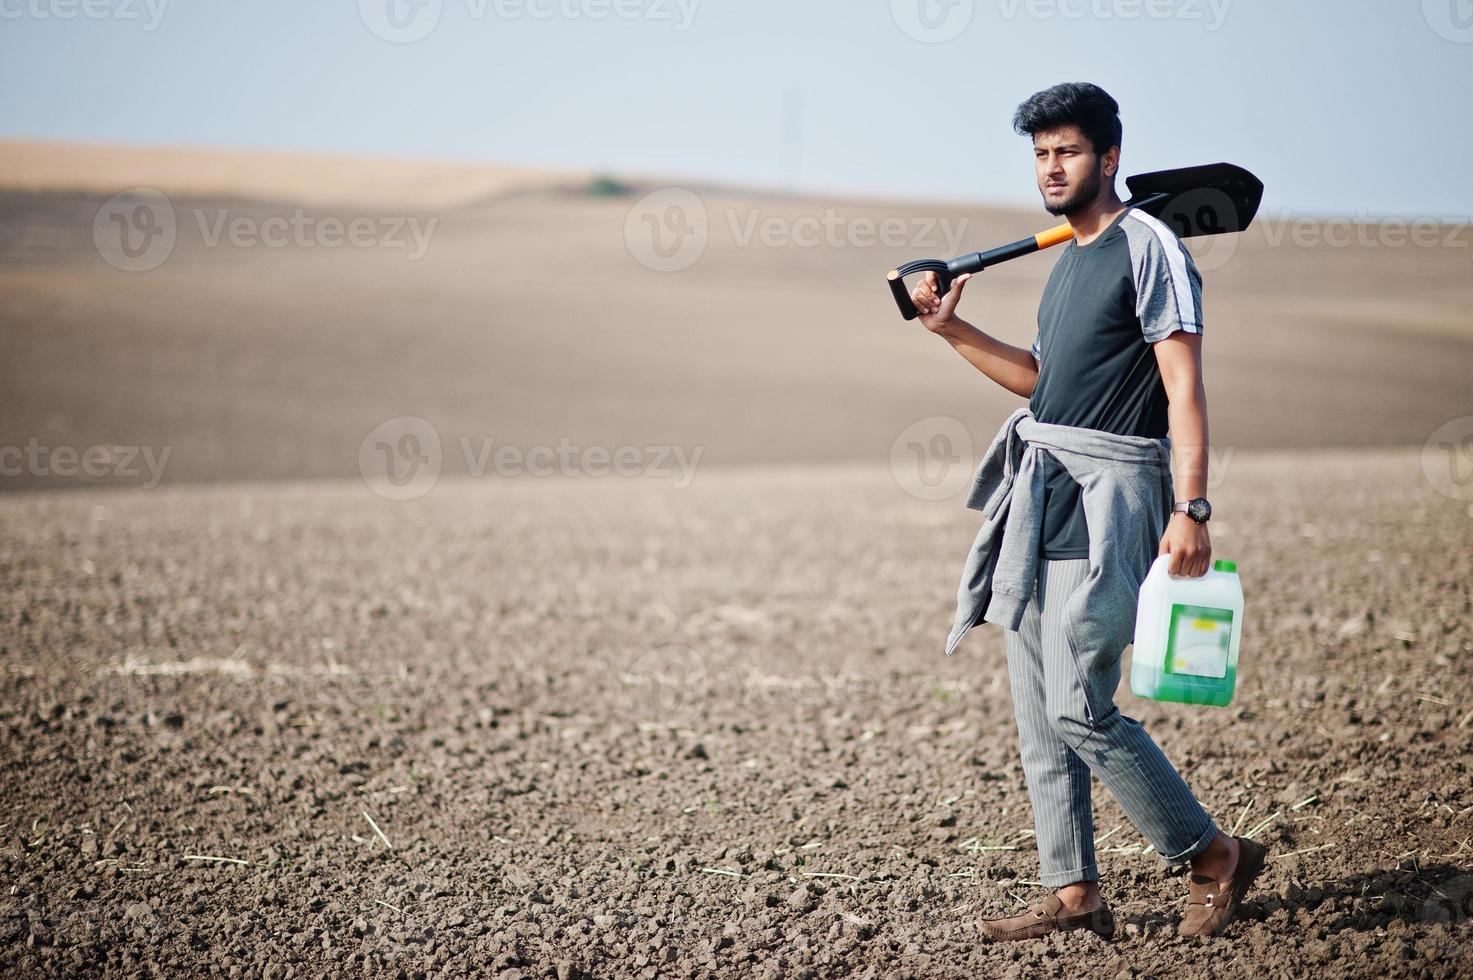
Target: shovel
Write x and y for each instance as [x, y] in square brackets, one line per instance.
[1213, 199]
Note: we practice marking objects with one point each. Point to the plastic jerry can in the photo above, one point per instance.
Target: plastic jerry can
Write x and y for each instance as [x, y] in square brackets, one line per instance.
[1186, 635]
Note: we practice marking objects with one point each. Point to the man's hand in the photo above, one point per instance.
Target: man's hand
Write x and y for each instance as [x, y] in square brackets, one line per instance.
[1188, 544]
[936, 311]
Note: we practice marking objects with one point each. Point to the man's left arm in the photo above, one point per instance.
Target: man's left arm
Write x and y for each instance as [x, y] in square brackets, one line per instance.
[1179, 357]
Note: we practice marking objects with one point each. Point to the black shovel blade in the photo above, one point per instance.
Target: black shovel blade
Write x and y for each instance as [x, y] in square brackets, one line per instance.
[1213, 199]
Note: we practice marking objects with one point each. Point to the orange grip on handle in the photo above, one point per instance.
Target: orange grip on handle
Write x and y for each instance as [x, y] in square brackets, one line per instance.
[1054, 236]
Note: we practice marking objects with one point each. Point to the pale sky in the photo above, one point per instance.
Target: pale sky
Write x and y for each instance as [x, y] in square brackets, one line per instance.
[1343, 109]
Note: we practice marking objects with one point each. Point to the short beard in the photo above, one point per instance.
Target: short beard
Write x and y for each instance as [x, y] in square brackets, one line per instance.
[1078, 201]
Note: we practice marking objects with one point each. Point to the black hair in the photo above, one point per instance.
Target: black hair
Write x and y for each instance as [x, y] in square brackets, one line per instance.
[1082, 103]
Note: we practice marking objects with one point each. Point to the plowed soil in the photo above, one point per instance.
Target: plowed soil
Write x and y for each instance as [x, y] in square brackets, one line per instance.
[609, 727]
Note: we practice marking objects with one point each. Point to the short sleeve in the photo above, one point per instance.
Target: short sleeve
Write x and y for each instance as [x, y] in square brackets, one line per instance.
[1037, 353]
[1168, 286]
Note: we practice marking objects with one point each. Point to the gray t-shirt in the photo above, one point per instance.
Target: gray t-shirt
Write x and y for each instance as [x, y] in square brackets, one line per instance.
[1105, 304]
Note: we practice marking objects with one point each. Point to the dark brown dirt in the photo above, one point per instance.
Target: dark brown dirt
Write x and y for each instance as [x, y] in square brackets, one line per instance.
[614, 728]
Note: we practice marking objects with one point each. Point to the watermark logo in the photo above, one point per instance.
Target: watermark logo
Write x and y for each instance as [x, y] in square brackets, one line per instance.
[932, 21]
[1447, 459]
[1451, 19]
[401, 458]
[932, 459]
[147, 13]
[666, 230]
[668, 685]
[1212, 217]
[135, 230]
[400, 21]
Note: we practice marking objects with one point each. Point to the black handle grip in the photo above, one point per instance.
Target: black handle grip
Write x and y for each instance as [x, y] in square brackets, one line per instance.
[901, 292]
[947, 272]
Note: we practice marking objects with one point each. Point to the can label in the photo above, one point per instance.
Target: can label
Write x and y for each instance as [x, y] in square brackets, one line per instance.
[1199, 641]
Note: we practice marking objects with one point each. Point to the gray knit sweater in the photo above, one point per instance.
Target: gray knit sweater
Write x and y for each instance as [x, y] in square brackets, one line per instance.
[1126, 488]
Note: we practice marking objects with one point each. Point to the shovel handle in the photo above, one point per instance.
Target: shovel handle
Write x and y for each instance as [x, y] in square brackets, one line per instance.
[1173, 196]
[946, 272]
[1057, 235]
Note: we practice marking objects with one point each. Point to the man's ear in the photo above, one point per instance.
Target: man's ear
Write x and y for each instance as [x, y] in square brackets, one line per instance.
[1111, 162]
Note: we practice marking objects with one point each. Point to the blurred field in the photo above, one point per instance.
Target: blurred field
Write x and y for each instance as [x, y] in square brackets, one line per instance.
[528, 319]
[315, 180]
[261, 718]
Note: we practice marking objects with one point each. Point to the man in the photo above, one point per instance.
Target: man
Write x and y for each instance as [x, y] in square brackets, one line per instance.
[1117, 362]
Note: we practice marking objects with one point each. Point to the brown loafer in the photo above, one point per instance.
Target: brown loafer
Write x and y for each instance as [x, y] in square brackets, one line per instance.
[1045, 918]
[1211, 905]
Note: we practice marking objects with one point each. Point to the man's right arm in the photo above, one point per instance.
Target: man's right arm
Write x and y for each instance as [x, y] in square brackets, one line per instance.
[1012, 367]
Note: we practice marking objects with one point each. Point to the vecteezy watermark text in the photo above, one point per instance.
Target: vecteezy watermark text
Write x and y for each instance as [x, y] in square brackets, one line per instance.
[933, 459]
[407, 21]
[566, 459]
[402, 459]
[1211, 13]
[834, 230]
[148, 13]
[1365, 231]
[138, 229]
[1361, 230]
[937, 21]
[305, 230]
[119, 462]
[667, 230]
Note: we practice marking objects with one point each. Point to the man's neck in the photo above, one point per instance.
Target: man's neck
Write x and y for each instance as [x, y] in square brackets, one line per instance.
[1091, 221]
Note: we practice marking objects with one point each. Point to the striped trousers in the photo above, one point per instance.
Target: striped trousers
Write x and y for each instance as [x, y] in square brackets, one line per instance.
[1070, 728]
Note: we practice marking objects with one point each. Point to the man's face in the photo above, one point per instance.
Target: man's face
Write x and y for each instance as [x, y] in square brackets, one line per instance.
[1070, 174]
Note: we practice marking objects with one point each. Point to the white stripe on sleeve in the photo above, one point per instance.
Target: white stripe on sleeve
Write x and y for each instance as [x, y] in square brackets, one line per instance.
[1176, 263]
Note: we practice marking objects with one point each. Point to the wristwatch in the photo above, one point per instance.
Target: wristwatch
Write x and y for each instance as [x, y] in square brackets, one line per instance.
[1198, 509]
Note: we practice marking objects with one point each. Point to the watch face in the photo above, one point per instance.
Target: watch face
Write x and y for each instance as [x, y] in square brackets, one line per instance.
[1199, 510]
